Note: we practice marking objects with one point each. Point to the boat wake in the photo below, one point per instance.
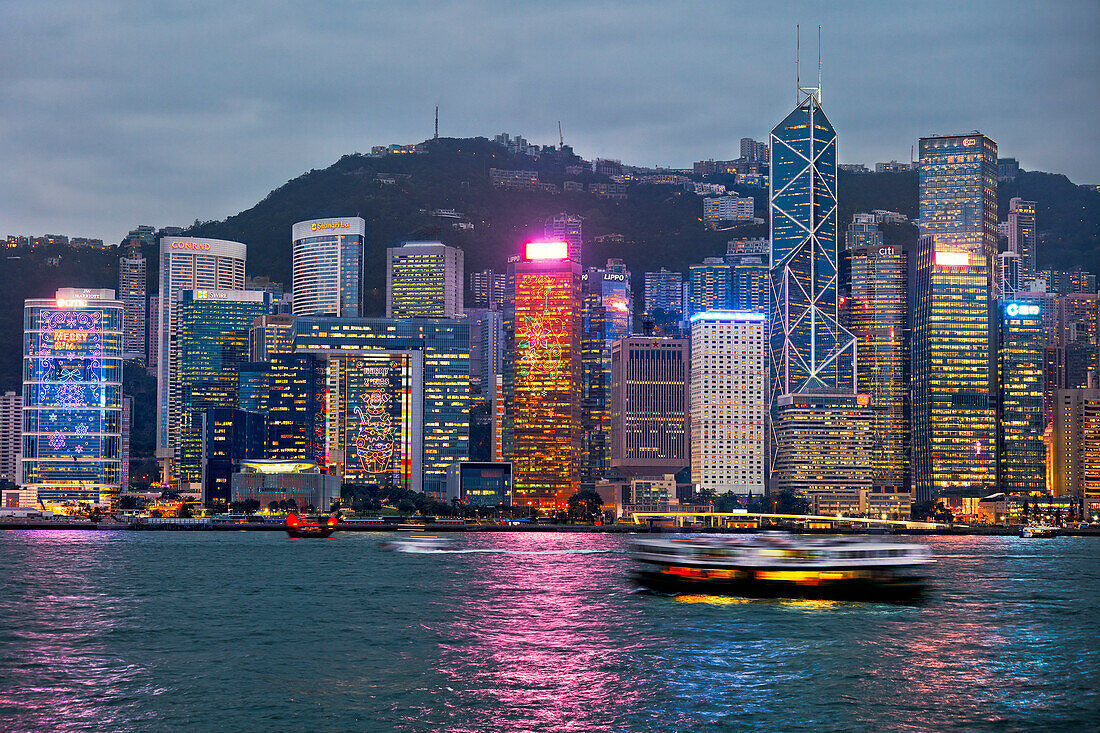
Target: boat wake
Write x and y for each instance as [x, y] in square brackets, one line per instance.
[520, 552]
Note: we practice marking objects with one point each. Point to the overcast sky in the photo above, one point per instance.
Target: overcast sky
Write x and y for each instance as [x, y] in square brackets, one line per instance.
[114, 114]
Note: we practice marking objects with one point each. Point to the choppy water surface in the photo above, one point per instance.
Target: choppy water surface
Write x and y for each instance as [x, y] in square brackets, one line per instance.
[254, 631]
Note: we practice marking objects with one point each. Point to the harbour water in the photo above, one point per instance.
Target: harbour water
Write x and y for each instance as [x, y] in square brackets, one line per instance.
[524, 632]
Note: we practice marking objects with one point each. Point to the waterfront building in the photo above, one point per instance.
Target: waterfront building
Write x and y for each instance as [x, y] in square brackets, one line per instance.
[424, 280]
[1021, 451]
[185, 264]
[302, 482]
[809, 351]
[649, 405]
[710, 285]
[327, 259]
[823, 443]
[11, 436]
[728, 394]
[542, 375]
[1022, 236]
[397, 397]
[124, 449]
[72, 398]
[211, 345]
[608, 308]
[131, 291]
[567, 228]
[229, 436]
[750, 268]
[953, 324]
[487, 289]
[876, 315]
[479, 483]
[1075, 454]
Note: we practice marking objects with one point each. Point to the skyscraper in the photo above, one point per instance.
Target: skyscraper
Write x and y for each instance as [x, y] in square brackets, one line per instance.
[131, 291]
[1022, 237]
[424, 280]
[328, 266]
[487, 288]
[608, 317]
[711, 286]
[664, 300]
[729, 389]
[567, 228]
[1076, 447]
[649, 405]
[72, 397]
[953, 328]
[1021, 452]
[876, 315]
[11, 435]
[542, 375]
[212, 335]
[809, 351]
[749, 272]
[185, 264]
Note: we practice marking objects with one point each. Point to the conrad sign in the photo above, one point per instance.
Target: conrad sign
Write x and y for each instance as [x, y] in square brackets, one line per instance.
[216, 247]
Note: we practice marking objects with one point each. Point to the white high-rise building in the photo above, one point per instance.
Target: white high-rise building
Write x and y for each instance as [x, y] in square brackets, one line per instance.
[185, 264]
[729, 385]
[424, 280]
[11, 436]
[566, 228]
[328, 266]
[131, 291]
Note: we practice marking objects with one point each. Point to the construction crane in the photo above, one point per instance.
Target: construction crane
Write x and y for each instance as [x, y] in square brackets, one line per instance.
[561, 140]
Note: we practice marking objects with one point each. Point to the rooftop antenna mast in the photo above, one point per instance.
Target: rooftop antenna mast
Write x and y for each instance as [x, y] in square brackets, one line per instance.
[437, 122]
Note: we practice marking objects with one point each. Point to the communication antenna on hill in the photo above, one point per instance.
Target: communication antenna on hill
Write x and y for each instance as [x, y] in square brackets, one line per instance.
[437, 122]
[561, 140]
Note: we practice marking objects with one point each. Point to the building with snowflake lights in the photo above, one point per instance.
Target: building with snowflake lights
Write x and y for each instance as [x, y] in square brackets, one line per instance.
[542, 375]
[72, 397]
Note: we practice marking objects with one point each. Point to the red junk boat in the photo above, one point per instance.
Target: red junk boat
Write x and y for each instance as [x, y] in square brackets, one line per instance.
[298, 527]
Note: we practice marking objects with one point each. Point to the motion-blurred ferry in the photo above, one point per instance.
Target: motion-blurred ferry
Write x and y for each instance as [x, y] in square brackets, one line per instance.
[783, 566]
[1038, 530]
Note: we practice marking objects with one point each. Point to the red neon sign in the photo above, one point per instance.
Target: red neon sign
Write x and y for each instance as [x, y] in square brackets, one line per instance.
[969, 142]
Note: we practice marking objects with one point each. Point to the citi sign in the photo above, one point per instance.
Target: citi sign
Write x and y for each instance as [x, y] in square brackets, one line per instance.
[1022, 309]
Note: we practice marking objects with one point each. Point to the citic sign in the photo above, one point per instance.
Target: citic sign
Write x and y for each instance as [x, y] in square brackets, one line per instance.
[969, 142]
[329, 225]
[1021, 309]
[191, 245]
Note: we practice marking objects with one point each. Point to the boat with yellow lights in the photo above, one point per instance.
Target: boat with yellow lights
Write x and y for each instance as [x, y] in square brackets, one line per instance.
[768, 566]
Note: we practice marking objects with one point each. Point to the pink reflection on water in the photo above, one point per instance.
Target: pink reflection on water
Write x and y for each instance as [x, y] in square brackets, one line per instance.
[540, 639]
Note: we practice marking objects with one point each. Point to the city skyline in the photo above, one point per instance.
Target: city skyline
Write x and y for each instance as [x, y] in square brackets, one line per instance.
[141, 141]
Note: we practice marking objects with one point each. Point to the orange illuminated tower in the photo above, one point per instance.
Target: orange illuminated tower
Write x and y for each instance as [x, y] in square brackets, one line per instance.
[542, 375]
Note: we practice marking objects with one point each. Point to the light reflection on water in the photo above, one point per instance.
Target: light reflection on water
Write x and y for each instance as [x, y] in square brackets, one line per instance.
[214, 631]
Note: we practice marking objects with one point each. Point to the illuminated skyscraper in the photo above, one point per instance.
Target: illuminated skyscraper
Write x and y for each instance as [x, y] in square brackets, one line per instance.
[1076, 447]
[212, 334]
[953, 328]
[328, 266]
[487, 288]
[710, 285]
[185, 264]
[1022, 237]
[131, 291]
[649, 405]
[809, 351]
[72, 397]
[567, 228]
[749, 272]
[823, 443]
[664, 291]
[424, 280]
[1021, 453]
[608, 309]
[11, 431]
[542, 375]
[876, 315]
[397, 407]
[729, 387]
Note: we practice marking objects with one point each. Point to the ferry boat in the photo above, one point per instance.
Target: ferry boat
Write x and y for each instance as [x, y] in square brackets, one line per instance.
[417, 543]
[300, 527]
[1038, 530]
[785, 566]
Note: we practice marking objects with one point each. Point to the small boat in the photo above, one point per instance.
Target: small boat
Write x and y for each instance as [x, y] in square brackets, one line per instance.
[1038, 530]
[299, 527]
[770, 566]
[417, 543]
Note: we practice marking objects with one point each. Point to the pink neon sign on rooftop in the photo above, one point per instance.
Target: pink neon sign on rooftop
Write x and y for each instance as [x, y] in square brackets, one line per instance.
[546, 251]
